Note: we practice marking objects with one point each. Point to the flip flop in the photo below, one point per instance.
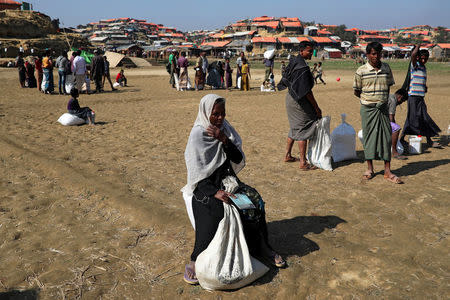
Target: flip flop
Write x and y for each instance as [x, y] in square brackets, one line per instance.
[308, 167]
[186, 278]
[291, 159]
[393, 179]
[368, 175]
[280, 264]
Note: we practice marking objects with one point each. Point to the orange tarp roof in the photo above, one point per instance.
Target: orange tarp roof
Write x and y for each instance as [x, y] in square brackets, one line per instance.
[323, 31]
[289, 20]
[272, 24]
[239, 24]
[322, 39]
[10, 2]
[302, 38]
[444, 45]
[260, 39]
[216, 44]
[263, 19]
[292, 24]
[373, 36]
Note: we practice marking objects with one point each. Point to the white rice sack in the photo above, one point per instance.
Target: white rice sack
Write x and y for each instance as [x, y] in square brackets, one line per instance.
[343, 142]
[70, 120]
[116, 84]
[269, 54]
[319, 146]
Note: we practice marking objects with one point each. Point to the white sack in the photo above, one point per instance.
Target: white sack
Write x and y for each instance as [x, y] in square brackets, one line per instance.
[70, 83]
[239, 80]
[319, 148]
[69, 120]
[269, 54]
[188, 201]
[116, 84]
[226, 264]
[343, 142]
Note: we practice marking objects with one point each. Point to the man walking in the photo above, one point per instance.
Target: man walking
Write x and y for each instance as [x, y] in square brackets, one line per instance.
[301, 106]
[371, 84]
[62, 64]
[79, 70]
[106, 73]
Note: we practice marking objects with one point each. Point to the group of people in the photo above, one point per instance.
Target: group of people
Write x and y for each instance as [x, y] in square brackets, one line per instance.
[38, 72]
[218, 74]
[214, 149]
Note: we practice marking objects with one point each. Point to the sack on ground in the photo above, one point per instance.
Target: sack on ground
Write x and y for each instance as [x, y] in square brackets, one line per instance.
[226, 264]
[69, 120]
[239, 80]
[269, 54]
[343, 142]
[319, 149]
[116, 84]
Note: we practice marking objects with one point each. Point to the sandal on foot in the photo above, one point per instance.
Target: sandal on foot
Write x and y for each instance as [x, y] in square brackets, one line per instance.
[394, 179]
[186, 278]
[277, 260]
[290, 159]
[368, 175]
[435, 145]
[308, 167]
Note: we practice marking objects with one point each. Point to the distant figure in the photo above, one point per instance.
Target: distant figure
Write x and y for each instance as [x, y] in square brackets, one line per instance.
[73, 107]
[106, 74]
[228, 74]
[268, 63]
[238, 69]
[47, 65]
[283, 67]
[21, 49]
[371, 85]
[418, 121]
[173, 69]
[20, 65]
[199, 76]
[30, 81]
[205, 65]
[39, 71]
[183, 64]
[319, 73]
[245, 75]
[121, 79]
[79, 70]
[314, 72]
[97, 70]
[62, 63]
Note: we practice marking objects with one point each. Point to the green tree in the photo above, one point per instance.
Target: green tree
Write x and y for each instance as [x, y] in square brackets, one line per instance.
[442, 35]
[344, 35]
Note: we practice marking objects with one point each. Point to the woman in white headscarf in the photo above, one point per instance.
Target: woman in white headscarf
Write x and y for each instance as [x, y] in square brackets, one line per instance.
[213, 158]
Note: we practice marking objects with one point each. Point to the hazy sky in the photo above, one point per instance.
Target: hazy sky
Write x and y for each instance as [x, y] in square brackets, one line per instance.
[201, 14]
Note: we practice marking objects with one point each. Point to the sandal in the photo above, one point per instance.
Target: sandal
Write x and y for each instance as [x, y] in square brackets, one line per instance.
[290, 159]
[308, 167]
[186, 278]
[368, 175]
[394, 179]
[277, 257]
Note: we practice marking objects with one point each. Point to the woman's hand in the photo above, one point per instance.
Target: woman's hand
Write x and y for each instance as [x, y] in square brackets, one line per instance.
[216, 133]
[224, 196]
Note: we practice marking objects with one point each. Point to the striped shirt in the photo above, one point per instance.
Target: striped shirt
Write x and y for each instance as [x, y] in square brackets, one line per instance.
[417, 86]
[374, 85]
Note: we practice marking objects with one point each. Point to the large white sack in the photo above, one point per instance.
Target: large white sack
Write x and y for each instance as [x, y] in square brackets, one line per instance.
[226, 264]
[69, 120]
[269, 54]
[319, 149]
[400, 148]
[70, 83]
[343, 142]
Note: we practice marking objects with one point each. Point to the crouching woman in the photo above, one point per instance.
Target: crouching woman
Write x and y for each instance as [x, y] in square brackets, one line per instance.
[213, 153]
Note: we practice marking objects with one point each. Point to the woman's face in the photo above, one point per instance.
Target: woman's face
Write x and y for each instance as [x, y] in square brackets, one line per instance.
[217, 115]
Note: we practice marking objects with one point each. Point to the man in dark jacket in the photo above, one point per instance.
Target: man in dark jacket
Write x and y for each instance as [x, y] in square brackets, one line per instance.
[97, 71]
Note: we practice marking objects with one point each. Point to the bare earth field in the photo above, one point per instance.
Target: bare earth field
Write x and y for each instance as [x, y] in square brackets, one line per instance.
[95, 212]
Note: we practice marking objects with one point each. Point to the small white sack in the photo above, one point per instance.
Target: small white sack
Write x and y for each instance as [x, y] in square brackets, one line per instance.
[116, 84]
[269, 54]
[70, 83]
[343, 140]
[188, 201]
[239, 80]
[319, 149]
[226, 264]
[69, 120]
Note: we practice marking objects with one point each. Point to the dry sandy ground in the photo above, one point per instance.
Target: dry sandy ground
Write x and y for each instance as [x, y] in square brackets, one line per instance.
[95, 212]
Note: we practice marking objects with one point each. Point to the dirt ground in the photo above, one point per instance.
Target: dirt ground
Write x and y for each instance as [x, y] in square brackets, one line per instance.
[95, 212]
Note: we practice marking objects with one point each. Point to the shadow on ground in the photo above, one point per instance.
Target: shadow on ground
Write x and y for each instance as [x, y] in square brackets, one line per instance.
[416, 167]
[19, 295]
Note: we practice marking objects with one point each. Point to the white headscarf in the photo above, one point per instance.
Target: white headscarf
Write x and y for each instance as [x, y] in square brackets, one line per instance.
[204, 154]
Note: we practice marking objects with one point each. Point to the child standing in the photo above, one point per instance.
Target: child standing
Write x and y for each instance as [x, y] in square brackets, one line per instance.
[398, 98]
[245, 73]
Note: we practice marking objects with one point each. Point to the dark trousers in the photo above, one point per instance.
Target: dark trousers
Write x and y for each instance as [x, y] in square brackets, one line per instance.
[98, 82]
[319, 77]
[207, 214]
[62, 82]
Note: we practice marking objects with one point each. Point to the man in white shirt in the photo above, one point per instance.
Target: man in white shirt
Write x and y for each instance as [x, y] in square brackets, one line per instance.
[79, 70]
